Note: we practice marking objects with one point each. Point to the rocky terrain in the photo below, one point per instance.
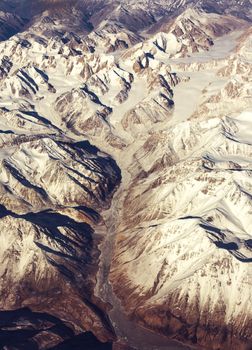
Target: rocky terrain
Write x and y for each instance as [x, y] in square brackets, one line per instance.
[125, 179]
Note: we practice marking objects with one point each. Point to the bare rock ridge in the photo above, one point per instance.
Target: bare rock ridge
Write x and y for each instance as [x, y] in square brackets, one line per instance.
[125, 178]
[10, 24]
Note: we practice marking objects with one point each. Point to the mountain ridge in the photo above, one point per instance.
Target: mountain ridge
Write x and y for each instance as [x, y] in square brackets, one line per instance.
[125, 153]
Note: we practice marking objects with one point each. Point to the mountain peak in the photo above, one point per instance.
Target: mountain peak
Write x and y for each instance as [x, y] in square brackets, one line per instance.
[125, 177]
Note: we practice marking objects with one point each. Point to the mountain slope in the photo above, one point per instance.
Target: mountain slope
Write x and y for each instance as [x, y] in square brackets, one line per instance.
[125, 180]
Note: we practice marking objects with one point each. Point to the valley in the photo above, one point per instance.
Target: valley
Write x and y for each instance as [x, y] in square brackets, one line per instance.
[125, 178]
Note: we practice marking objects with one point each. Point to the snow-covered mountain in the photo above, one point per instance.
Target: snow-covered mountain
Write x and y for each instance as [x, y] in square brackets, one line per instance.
[125, 178]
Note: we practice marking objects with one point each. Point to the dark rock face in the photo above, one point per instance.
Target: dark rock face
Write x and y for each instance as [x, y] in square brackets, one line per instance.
[94, 11]
[5, 67]
[10, 25]
[26, 330]
[231, 7]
